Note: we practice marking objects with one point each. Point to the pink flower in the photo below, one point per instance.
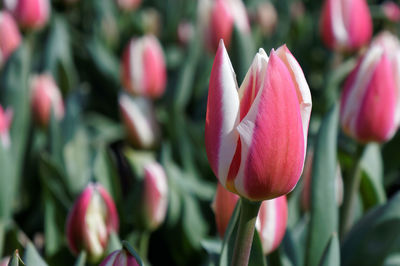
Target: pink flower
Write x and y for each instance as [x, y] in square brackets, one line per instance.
[8, 44]
[90, 222]
[345, 24]
[128, 5]
[143, 67]
[271, 220]
[46, 97]
[391, 10]
[370, 100]
[120, 258]
[155, 195]
[5, 124]
[30, 14]
[256, 136]
[218, 18]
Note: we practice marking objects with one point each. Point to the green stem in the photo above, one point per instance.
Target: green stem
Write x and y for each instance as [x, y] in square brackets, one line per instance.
[144, 244]
[351, 187]
[245, 233]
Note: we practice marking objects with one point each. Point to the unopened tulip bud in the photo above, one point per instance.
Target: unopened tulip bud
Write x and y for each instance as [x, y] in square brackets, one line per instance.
[10, 38]
[155, 196]
[4, 261]
[31, 14]
[256, 136]
[46, 97]
[271, 220]
[91, 221]
[267, 18]
[5, 123]
[185, 32]
[139, 119]
[218, 18]
[346, 25]
[120, 258]
[370, 99]
[143, 67]
[391, 10]
[128, 5]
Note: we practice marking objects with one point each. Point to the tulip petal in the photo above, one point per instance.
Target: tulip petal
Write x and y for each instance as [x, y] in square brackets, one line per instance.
[222, 115]
[359, 22]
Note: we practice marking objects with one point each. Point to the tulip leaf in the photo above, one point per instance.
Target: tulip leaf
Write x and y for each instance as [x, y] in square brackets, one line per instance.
[392, 260]
[331, 256]
[324, 212]
[81, 260]
[213, 248]
[114, 243]
[7, 183]
[32, 257]
[375, 236]
[132, 251]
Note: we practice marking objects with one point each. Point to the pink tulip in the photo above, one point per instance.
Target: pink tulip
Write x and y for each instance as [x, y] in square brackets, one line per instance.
[128, 5]
[370, 100]
[120, 258]
[271, 220]
[256, 136]
[46, 97]
[140, 122]
[30, 14]
[345, 24]
[8, 44]
[5, 261]
[391, 10]
[5, 123]
[155, 195]
[143, 67]
[219, 17]
[90, 222]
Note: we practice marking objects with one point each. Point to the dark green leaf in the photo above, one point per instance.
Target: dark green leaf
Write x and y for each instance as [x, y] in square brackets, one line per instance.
[331, 256]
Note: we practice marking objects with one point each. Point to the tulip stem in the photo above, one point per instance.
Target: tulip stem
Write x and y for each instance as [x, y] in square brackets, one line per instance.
[144, 244]
[244, 238]
[352, 184]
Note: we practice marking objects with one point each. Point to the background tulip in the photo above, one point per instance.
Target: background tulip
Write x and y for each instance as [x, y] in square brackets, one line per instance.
[218, 18]
[369, 104]
[8, 44]
[120, 258]
[391, 10]
[250, 132]
[128, 5]
[46, 97]
[139, 120]
[143, 67]
[31, 14]
[345, 24]
[90, 222]
[5, 123]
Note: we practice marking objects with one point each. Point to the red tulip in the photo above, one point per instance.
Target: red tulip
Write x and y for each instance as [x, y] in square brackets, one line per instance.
[128, 5]
[271, 220]
[139, 120]
[90, 222]
[256, 137]
[5, 123]
[369, 104]
[143, 67]
[219, 17]
[8, 44]
[345, 24]
[31, 14]
[46, 97]
[120, 258]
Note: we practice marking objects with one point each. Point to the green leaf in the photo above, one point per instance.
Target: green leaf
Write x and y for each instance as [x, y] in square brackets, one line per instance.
[242, 52]
[114, 243]
[374, 237]
[32, 257]
[131, 250]
[324, 212]
[213, 248]
[7, 183]
[81, 260]
[331, 256]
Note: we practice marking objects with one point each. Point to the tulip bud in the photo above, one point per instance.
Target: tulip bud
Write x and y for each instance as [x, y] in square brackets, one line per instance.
[370, 99]
[391, 10]
[185, 32]
[46, 97]
[155, 195]
[5, 123]
[128, 5]
[143, 67]
[120, 258]
[5, 261]
[30, 14]
[307, 177]
[271, 220]
[218, 18]
[345, 24]
[139, 120]
[256, 136]
[90, 222]
[267, 18]
[8, 44]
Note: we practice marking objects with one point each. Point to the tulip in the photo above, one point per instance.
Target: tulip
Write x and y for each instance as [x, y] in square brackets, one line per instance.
[30, 14]
[256, 137]
[5, 123]
[267, 18]
[128, 5]
[391, 10]
[218, 18]
[139, 120]
[143, 67]
[120, 258]
[271, 220]
[155, 195]
[4, 261]
[8, 44]
[46, 97]
[369, 103]
[185, 32]
[91, 221]
[346, 25]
